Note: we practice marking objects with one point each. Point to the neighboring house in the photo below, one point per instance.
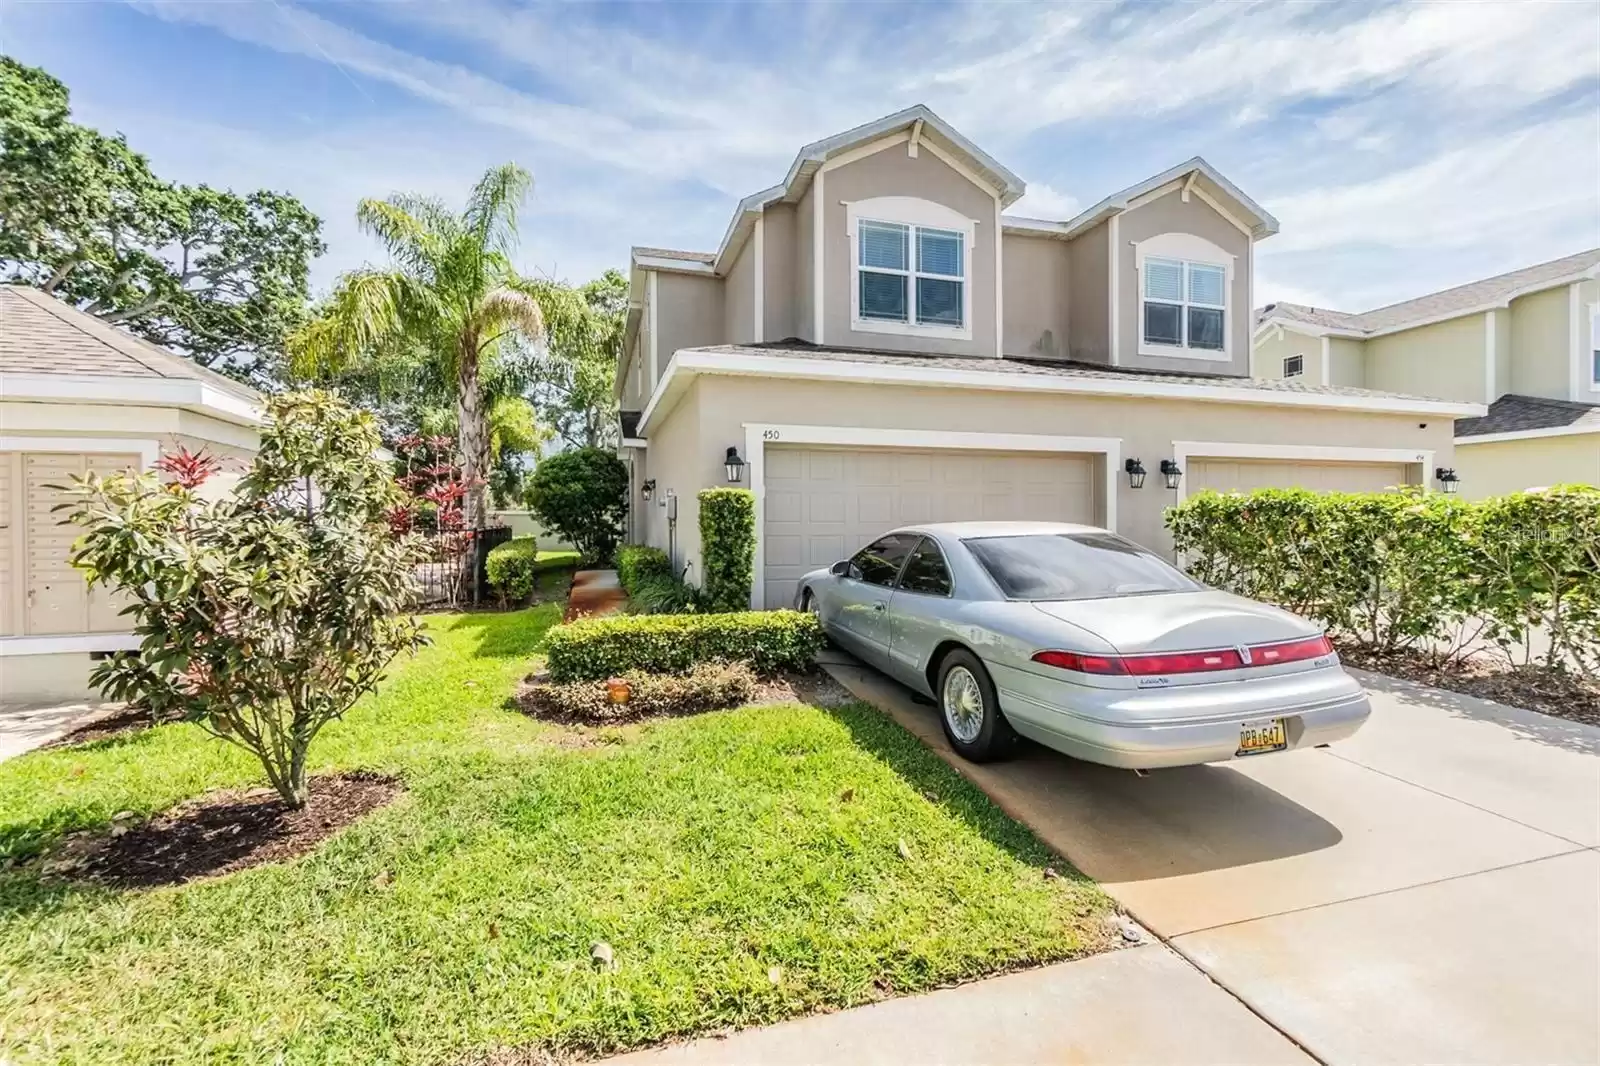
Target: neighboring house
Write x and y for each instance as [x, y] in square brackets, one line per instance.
[880, 344]
[77, 395]
[1526, 343]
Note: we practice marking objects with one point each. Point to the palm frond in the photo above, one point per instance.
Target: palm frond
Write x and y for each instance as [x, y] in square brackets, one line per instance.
[408, 228]
[361, 317]
[505, 309]
[492, 207]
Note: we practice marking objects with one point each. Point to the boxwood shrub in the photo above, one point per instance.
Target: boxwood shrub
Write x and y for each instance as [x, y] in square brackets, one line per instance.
[707, 687]
[592, 649]
[514, 567]
[638, 562]
[727, 547]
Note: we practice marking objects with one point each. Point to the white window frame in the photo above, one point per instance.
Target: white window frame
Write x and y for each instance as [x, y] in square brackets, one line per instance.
[1594, 346]
[1189, 250]
[1300, 367]
[915, 214]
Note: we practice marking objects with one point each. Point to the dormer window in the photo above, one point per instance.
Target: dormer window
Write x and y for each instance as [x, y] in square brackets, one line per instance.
[910, 267]
[1294, 366]
[1184, 283]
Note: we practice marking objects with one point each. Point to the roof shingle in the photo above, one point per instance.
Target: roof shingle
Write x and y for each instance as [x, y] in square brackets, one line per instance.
[1516, 414]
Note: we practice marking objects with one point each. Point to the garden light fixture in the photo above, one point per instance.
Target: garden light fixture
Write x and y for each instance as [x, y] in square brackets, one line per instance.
[648, 489]
[1172, 472]
[734, 466]
[1135, 470]
[1448, 481]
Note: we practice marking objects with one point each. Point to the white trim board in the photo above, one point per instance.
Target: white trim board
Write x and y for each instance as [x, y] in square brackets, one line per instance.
[760, 314]
[635, 442]
[687, 362]
[67, 642]
[1528, 434]
[757, 435]
[149, 450]
[187, 393]
[1184, 450]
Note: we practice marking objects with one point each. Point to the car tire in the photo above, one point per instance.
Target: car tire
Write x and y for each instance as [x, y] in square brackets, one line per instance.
[969, 710]
[808, 604]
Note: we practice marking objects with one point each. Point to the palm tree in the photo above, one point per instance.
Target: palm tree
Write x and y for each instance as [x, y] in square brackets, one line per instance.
[446, 306]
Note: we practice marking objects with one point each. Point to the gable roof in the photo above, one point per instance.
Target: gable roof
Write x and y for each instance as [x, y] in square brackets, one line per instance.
[1532, 414]
[49, 349]
[1471, 298]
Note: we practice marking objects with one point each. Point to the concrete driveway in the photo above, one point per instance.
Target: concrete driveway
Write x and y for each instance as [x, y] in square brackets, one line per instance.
[1428, 891]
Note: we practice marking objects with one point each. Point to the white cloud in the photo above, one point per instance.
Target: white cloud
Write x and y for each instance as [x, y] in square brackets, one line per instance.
[1044, 201]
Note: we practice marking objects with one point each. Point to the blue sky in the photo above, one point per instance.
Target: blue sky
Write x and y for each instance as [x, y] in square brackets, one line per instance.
[1404, 147]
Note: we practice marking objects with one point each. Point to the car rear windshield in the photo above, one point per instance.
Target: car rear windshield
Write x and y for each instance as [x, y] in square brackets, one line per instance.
[1074, 566]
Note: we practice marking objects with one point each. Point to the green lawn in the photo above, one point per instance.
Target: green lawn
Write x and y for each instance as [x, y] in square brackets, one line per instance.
[705, 850]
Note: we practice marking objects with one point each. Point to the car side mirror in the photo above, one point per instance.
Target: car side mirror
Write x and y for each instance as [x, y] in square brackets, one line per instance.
[840, 568]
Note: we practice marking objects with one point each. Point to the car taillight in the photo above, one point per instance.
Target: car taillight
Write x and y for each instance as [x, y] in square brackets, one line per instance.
[1186, 662]
[1291, 651]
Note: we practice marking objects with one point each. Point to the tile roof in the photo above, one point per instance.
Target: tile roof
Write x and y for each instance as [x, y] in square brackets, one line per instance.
[40, 335]
[1496, 290]
[1045, 368]
[1514, 414]
[674, 253]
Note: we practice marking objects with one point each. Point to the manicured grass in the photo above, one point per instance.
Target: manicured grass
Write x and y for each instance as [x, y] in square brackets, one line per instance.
[706, 851]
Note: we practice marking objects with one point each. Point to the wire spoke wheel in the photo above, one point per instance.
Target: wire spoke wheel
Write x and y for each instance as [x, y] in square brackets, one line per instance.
[962, 703]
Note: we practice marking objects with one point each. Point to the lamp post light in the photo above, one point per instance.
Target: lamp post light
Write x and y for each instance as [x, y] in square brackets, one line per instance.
[648, 489]
[1136, 472]
[1448, 481]
[734, 466]
[1172, 473]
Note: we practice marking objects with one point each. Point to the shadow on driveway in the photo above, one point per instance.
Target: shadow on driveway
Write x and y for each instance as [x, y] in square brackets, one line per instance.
[1525, 725]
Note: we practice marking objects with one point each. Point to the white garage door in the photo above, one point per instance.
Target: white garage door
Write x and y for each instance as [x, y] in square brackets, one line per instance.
[824, 503]
[1242, 475]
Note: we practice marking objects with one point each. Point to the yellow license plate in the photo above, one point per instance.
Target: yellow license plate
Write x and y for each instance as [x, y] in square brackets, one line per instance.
[1257, 737]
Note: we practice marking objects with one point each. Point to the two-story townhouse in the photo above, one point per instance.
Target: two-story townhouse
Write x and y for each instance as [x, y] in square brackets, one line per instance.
[875, 343]
[1526, 343]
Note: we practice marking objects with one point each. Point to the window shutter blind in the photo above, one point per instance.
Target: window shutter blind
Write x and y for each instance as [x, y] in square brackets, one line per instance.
[884, 245]
[939, 252]
[1207, 285]
[1163, 280]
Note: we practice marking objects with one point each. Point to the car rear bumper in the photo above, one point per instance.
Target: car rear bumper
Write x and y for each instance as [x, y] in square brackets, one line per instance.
[1328, 711]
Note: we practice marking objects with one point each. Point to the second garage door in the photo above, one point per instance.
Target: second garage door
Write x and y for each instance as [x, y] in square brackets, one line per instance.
[1242, 475]
[824, 503]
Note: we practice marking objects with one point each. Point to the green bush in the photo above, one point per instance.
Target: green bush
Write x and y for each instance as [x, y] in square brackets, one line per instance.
[514, 567]
[727, 547]
[664, 594]
[707, 687]
[636, 562]
[1407, 569]
[582, 494]
[592, 649]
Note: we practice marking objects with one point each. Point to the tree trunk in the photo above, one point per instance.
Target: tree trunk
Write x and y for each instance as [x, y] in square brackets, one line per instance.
[473, 442]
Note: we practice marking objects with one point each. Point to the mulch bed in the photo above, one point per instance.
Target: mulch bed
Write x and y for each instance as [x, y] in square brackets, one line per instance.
[121, 721]
[1557, 693]
[220, 833]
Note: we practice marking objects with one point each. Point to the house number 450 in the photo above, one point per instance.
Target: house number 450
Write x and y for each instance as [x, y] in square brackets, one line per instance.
[769, 434]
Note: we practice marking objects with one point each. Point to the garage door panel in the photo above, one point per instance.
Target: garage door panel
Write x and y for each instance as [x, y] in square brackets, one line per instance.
[1244, 475]
[832, 501]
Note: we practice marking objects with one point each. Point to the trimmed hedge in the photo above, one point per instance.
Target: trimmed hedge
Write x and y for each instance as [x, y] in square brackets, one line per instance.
[592, 649]
[707, 687]
[727, 548]
[637, 562]
[1401, 569]
[514, 567]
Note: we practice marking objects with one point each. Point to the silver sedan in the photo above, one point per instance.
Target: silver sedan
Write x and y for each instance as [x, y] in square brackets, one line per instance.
[1085, 642]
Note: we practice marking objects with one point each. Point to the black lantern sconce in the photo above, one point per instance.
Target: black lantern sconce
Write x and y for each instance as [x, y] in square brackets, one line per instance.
[1448, 481]
[1135, 470]
[734, 466]
[648, 489]
[1172, 473]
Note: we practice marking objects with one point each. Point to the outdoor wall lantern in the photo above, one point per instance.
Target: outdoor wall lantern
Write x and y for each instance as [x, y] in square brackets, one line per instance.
[734, 466]
[1172, 473]
[648, 489]
[1447, 479]
[1135, 471]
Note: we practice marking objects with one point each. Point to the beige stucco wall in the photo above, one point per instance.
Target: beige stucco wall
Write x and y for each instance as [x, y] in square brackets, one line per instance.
[1588, 303]
[1089, 296]
[1169, 214]
[717, 409]
[1348, 362]
[778, 255]
[1035, 280]
[893, 172]
[1514, 465]
[1541, 344]
[1268, 354]
[804, 245]
[689, 315]
[674, 462]
[1444, 360]
[739, 295]
[1502, 354]
[61, 677]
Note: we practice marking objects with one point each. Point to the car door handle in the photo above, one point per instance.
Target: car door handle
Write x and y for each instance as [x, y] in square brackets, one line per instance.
[879, 605]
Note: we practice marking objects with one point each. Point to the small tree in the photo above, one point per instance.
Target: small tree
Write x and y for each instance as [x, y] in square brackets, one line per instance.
[583, 495]
[728, 546]
[265, 615]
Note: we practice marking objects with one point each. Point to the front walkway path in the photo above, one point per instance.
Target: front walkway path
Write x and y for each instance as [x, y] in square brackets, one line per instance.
[1428, 891]
[25, 727]
[1139, 1005]
[594, 592]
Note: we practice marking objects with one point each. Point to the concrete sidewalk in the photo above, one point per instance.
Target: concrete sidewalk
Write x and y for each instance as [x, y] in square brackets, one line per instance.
[24, 727]
[1140, 1005]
